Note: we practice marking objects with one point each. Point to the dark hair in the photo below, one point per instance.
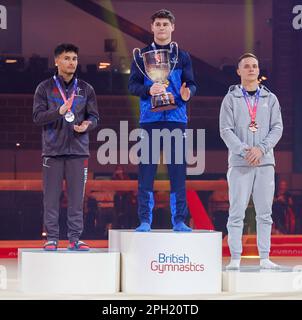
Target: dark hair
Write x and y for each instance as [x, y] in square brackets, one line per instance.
[247, 55]
[65, 47]
[163, 14]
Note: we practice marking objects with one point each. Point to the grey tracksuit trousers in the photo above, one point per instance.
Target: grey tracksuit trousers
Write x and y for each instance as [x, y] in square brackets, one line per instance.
[244, 182]
[74, 170]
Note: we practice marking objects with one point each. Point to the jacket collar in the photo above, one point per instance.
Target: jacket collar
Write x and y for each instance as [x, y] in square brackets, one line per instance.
[236, 91]
[158, 46]
[62, 82]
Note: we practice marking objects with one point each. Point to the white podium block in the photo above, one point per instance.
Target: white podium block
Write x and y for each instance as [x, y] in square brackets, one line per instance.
[167, 262]
[251, 279]
[92, 272]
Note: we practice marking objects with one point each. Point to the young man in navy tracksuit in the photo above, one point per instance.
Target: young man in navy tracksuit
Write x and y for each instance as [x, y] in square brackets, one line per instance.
[66, 107]
[182, 86]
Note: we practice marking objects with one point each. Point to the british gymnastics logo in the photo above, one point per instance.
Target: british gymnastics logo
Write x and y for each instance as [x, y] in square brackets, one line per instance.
[175, 263]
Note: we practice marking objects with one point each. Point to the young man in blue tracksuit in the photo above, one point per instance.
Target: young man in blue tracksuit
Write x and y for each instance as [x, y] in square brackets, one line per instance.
[182, 86]
[250, 125]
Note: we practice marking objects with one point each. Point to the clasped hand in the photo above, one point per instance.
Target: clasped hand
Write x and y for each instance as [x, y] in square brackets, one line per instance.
[253, 156]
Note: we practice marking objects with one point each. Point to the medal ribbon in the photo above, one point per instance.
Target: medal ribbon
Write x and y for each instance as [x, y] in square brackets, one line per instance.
[252, 110]
[62, 92]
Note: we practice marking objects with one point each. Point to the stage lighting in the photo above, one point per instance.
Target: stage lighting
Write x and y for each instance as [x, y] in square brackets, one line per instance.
[104, 65]
[262, 78]
[11, 63]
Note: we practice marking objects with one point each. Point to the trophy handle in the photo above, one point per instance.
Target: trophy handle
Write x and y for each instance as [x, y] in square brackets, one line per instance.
[174, 44]
[140, 55]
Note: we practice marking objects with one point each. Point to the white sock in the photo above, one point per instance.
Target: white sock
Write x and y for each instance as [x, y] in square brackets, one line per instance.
[268, 264]
[233, 265]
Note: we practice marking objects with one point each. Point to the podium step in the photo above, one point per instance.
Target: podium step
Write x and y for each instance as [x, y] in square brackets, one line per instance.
[9, 248]
[252, 279]
[93, 272]
[166, 262]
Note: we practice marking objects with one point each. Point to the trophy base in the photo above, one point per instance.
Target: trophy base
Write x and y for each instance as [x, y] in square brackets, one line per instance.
[164, 108]
[163, 102]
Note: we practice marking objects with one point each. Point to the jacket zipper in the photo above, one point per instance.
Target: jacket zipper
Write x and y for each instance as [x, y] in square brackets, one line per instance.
[69, 131]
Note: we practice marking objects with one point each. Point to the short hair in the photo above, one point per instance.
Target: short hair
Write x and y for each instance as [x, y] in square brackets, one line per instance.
[247, 55]
[65, 47]
[163, 14]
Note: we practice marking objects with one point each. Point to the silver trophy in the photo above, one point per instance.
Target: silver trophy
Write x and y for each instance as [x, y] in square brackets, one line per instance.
[158, 68]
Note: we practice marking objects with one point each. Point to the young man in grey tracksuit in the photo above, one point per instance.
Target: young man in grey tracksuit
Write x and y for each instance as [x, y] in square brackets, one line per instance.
[250, 125]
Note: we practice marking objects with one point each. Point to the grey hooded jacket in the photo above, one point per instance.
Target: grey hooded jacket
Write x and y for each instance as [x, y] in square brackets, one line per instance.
[234, 123]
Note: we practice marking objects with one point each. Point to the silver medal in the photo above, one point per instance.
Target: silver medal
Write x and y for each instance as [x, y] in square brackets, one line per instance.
[69, 116]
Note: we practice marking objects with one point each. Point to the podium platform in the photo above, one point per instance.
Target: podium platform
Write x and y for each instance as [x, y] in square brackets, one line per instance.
[166, 262]
[92, 272]
[252, 279]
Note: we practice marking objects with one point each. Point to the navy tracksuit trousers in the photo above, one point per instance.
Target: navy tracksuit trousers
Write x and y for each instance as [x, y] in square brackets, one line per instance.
[176, 171]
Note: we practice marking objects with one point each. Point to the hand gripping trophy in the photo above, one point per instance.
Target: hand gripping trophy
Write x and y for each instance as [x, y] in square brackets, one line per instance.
[158, 68]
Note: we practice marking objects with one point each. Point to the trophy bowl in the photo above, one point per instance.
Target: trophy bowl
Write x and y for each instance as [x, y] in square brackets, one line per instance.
[158, 68]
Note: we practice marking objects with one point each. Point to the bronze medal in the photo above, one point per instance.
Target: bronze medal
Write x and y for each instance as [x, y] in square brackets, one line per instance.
[253, 126]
